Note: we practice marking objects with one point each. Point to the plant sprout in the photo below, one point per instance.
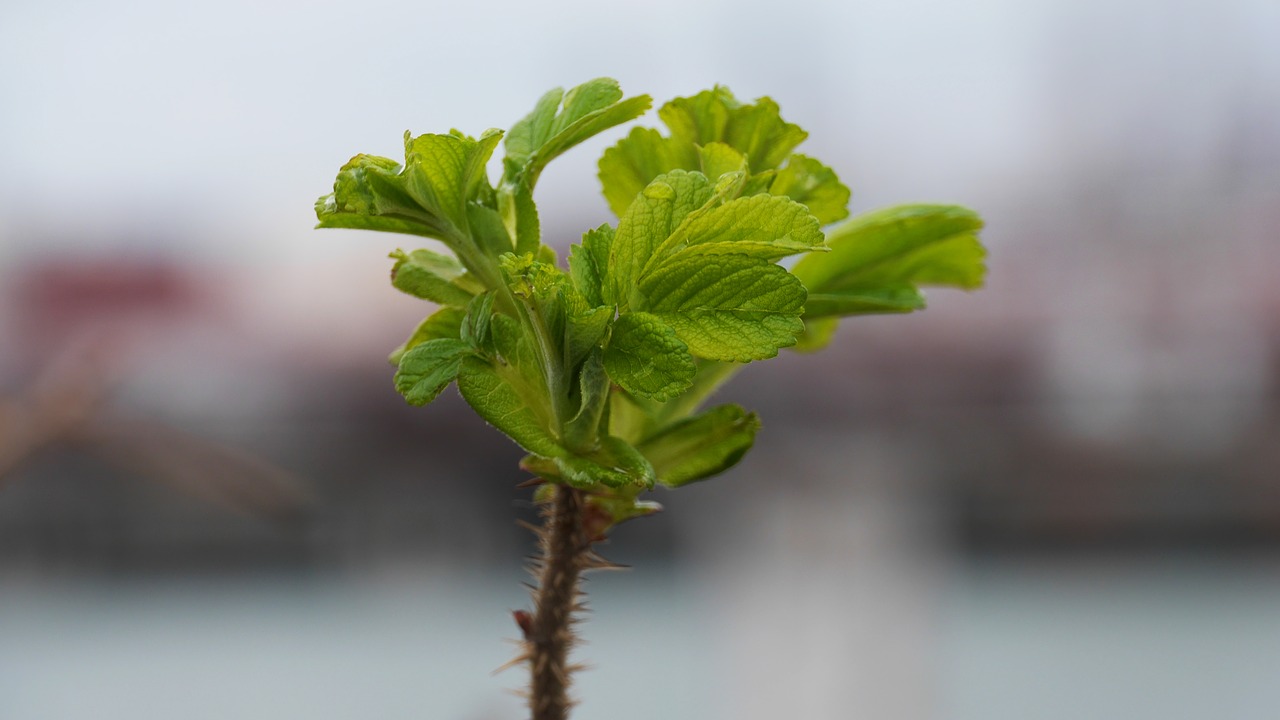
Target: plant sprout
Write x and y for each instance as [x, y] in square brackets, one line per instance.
[601, 371]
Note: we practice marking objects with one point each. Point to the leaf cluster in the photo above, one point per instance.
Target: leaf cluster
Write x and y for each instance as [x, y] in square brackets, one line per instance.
[600, 370]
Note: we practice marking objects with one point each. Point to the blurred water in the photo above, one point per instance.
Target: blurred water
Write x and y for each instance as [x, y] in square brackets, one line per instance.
[317, 648]
[1175, 639]
[1181, 639]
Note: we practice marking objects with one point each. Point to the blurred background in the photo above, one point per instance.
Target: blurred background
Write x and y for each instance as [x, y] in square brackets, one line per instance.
[1058, 497]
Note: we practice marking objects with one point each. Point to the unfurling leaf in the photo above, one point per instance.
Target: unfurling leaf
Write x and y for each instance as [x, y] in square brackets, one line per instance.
[701, 446]
[584, 111]
[442, 172]
[591, 399]
[429, 368]
[445, 323]
[430, 276]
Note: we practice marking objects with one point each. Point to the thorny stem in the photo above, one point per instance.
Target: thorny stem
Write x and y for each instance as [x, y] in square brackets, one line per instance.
[549, 634]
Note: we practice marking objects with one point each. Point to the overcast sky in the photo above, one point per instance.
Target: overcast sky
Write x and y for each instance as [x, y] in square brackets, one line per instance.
[214, 125]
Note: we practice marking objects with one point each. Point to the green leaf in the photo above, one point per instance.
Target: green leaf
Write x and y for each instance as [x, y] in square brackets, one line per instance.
[762, 226]
[900, 298]
[702, 118]
[585, 327]
[584, 111]
[900, 243]
[528, 228]
[613, 508]
[445, 323]
[588, 263]
[651, 219]
[487, 230]
[494, 391]
[430, 276]
[474, 328]
[368, 194]
[646, 358]
[725, 307]
[629, 417]
[429, 368]
[760, 133]
[614, 464]
[442, 171]
[756, 130]
[813, 185]
[591, 397]
[518, 363]
[633, 163]
[527, 135]
[589, 97]
[701, 446]
[716, 159]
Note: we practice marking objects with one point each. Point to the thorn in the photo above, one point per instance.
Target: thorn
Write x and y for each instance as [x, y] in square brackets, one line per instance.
[524, 621]
[521, 658]
[531, 482]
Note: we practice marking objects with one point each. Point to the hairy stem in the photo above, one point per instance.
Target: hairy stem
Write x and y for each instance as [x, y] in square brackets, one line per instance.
[549, 635]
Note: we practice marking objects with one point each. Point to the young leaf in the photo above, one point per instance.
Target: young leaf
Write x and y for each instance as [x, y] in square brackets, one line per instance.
[442, 172]
[702, 118]
[474, 328]
[614, 464]
[646, 358]
[369, 194]
[445, 323]
[588, 109]
[760, 133]
[591, 397]
[705, 128]
[813, 185]
[644, 154]
[877, 259]
[487, 230]
[618, 506]
[763, 226]
[528, 230]
[756, 130]
[725, 307]
[588, 263]
[429, 368]
[895, 298]
[716, 159]
[585, 326]
[429, 276]
[494, 392]
[529, 133]
[651, 219]
[701, 446]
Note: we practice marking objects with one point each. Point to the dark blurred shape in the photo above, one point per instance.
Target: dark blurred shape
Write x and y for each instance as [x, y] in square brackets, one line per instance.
[65, 405]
